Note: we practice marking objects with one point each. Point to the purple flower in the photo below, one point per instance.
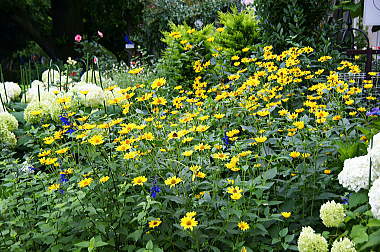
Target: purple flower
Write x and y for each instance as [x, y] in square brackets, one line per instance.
[64, 120]
[374, 112]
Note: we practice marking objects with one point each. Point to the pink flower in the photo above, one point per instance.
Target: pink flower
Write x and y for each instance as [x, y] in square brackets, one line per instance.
[100, 34]
[95, 60]
[78, 38]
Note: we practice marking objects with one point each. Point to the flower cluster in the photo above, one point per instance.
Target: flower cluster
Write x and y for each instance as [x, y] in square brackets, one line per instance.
[309, 241]
[332, 214]
[343, 245]
[9, 91]
[374, 198]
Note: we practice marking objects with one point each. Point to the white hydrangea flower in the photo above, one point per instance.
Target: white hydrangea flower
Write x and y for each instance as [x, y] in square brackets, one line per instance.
[47, 109]
[355, 173]
[7, 137]
[32, 94]
[9, 121]
[37, 83]
[94, 97]
[91, 76]
[12, 90]
[332, 214]
[374, 198]
[309, 241]
[374, 153]
[50, 76]
[343, 245]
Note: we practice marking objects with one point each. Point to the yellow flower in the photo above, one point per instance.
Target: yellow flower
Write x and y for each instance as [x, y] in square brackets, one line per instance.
[36, 112]
[139, 180]
[158, 83]
[236, 196]
[294, 154]
[327, 171]
[219, 116]
[188, 223]
[84, 92]
[96, 140]
[187, 153]
[202, 147]
[243, 225]
[221, 155]
[45, 125]
[172, 181]
[54, 187]
[286, 214]
[85, 182]
[44, 153]
[261, 139]
[159, 101]
[104, 179]
[63, 150]
[154, 223]
[136, 70]
[220, 29]
[232, 189]
[299, 125]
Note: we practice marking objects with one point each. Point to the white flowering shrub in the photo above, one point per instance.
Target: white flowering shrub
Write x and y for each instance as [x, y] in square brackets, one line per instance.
[332, 214]
[9, 91]
[374, 198]
[355, 173]
[309, 241]
[343, 245]
[9, 121]
[374, 153]
[51, 76]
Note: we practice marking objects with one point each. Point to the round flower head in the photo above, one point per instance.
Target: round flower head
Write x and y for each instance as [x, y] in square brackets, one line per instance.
[50, 76]
[12, 91]
[94, 96]
[309, 241]
[355, 173]
[374, 153]
[332, 214]
[7, 137]
[374, 198]
[343, 245]
[36, 111]
[9, 121]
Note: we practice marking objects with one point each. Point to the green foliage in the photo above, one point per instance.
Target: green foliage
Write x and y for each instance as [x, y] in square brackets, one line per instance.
[290, 23]
[241, 29]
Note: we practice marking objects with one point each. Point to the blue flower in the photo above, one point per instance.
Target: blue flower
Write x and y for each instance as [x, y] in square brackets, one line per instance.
[63, 178]
[154, 190]
[374, 112]
[64, 120]
[70, 131]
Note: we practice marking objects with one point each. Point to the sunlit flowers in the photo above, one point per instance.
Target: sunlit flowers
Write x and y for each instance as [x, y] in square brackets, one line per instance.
[157, 83]
[236, 192]
[85, 182]
[140, 180]
[96, 140]
[104, 179]
[286, 214]
[188, 221]
[294, 154]
[173, 181]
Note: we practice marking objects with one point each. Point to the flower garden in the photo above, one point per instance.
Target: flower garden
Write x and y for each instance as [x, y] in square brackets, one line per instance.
[221, 147]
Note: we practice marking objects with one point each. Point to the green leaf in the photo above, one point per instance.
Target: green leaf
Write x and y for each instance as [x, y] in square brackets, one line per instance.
[359, 234]
[357, 199]
[136, 235]
[372, 241]
[283, 232]
[149, 245]
[83, 244]
[270, 174]
[373, 223]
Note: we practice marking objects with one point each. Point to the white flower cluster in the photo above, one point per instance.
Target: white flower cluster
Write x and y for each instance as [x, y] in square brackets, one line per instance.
[44, 109]
[332, 214]
[8, 123]
[355, 173]
[374, 198]
[9, 91]
[343, 245]
[89, 95]
[54, 77]
[309, 241]
[93, 76]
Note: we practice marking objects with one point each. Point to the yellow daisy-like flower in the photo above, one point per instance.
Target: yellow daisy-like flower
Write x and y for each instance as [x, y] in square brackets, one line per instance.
[236, 196]
[136, 70]
[85, 182]
[154, 223]
[286, 214]
[202, 147]
[104, 179]
[188, 223]
[140, 180]
[221, 155]
[233, 190]
[54, 187]
[294, 154]
[172, 181]
[96, 140]
[63, 150]
[157, 83]
[261, 139]
[159, 101]
[44, 153]
[243, 226]
[187, 153]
